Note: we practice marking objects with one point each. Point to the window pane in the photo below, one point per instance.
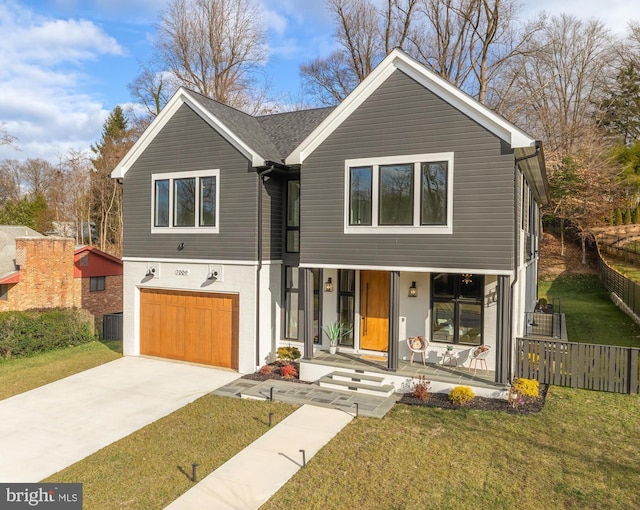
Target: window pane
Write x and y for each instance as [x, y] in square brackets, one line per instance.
[161, 218]
[347, 314]
[444, 285]
[396, 195]
[291, 314]
[471, 286]
[293, 241]
[208, 201]
[293, 204]
[316, 305]
[434, 193]
[292, 278]
[347, 280]
[184, 202]
[360, 196]
[443, 320]
[470, 330]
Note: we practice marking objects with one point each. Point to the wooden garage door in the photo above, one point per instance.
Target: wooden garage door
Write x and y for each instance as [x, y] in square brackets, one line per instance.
[190, 326]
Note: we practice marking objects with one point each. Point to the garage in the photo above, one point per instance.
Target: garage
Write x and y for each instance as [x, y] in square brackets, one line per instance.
[190, 326]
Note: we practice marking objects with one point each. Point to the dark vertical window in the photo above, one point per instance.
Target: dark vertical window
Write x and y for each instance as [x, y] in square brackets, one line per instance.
[291, 303]
[347, 302]
[4, 292]
[433, 210]
[293, 216]
[316, 306]
[96, 283]
[457, 308]
[207, 201]
[360, 195]
[162, 203]
[184, 206]
[396, 195]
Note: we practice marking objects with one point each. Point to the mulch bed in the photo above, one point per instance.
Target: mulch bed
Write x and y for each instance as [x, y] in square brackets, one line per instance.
[441, 400]
[275, 374]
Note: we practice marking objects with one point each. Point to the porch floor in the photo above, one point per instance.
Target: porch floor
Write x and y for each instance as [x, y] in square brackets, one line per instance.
[434, 372]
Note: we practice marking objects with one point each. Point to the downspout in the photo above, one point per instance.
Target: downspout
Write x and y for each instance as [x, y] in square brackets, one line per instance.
[261, 175]
[516, 240]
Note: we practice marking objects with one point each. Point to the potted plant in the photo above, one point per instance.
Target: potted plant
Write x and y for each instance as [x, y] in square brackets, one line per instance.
[335, 331]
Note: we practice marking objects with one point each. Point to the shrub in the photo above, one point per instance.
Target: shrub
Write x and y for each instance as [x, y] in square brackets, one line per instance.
[288, 353]
[461, 395]
[30, 332]
[266, 369]
[526, 387]
[421, 388]
[288, 371]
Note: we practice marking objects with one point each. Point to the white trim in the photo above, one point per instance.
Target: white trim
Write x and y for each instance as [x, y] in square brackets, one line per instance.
[397, 59]
[181, 97]
[415, 160]
[192, 261]
[320, 265]
[171, 177]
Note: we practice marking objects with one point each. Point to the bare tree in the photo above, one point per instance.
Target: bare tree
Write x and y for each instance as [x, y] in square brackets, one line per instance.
[215, 47]
[365, 35]
[37, 175]
[77, 167]
[9, 180]
[467, 42]
[6, 138]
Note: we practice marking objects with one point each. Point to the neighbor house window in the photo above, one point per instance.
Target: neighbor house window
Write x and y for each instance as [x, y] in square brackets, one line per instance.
[399, 194]
[185, 202]
[457, 308]
[96, 283]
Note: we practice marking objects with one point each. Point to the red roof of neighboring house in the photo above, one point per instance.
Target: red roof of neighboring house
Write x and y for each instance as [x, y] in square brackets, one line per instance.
[10, 278]
[90, 261]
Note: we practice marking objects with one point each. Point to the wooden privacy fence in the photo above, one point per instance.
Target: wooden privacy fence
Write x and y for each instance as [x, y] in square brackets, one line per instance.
[589, 366]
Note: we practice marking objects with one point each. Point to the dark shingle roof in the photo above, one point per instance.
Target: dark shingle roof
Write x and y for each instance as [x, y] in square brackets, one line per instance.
[288, 130]
[243, 125]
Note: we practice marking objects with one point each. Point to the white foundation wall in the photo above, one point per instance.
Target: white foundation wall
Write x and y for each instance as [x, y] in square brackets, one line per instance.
[192, 276]
[270, 311]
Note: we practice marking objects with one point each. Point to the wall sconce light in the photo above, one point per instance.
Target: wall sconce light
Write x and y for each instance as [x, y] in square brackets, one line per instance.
[413, 290]
[328, 285]
[180, 246]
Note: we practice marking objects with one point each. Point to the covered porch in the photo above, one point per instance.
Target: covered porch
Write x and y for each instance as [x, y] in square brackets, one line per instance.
[443, 377]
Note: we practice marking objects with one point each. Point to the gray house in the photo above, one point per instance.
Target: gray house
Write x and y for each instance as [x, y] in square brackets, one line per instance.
[410, 209]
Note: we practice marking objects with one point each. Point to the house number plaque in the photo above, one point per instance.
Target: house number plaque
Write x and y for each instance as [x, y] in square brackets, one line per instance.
[182, 272]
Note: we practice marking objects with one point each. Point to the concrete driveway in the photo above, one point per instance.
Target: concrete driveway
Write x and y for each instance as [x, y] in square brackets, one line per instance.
[47, 429]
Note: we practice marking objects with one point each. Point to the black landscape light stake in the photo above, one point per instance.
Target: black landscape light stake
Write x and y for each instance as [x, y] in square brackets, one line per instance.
[271, 393]
[304, 458]
[193, 472]
[270, 418]
[357, 409]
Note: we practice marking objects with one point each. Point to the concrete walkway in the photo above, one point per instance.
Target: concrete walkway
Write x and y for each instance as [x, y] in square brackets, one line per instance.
[250, 478]
[49, 428]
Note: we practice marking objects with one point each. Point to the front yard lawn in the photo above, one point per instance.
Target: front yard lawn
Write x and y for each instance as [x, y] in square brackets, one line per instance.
[152, 467]
[582, 451]
[591, 315]
[22, 374]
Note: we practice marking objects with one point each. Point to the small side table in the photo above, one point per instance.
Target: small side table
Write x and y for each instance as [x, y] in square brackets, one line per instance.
[450, 358]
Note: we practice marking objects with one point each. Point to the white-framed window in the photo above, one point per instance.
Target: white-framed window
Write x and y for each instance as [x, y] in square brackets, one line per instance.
[186, 202]
[399, 194]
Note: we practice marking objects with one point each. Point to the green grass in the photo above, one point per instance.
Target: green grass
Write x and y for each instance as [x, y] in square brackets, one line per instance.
[152, 467]
[581, 452]
[629, 270]
[22, 374]
[591, 315]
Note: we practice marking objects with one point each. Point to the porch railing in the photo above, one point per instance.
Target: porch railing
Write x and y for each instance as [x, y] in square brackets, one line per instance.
[589, 366]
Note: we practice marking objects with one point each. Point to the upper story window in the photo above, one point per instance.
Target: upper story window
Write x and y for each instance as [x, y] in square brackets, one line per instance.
[399, 194]
[186, 202]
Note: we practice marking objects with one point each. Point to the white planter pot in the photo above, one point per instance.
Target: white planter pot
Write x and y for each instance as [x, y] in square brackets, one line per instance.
[332, 349]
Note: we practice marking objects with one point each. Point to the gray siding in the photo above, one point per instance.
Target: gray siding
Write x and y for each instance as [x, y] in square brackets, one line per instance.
[402, 117]
[188, 143]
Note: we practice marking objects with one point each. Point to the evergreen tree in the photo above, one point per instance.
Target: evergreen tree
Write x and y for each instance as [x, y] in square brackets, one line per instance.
[620, 109]
[618, 220]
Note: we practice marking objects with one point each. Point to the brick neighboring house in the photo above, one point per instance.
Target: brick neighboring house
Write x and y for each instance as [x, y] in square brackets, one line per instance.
[49, 272]
[98, 281]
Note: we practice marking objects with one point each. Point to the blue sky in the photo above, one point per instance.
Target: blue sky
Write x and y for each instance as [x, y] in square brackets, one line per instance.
[65, 64]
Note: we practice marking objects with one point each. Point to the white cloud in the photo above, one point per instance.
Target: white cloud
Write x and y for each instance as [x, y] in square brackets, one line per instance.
[41, 79]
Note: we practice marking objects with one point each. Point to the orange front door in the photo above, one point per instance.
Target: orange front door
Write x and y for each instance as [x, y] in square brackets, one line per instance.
[374, 310]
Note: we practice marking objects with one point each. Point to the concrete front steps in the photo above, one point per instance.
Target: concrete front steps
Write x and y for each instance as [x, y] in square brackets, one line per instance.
[358, 382]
